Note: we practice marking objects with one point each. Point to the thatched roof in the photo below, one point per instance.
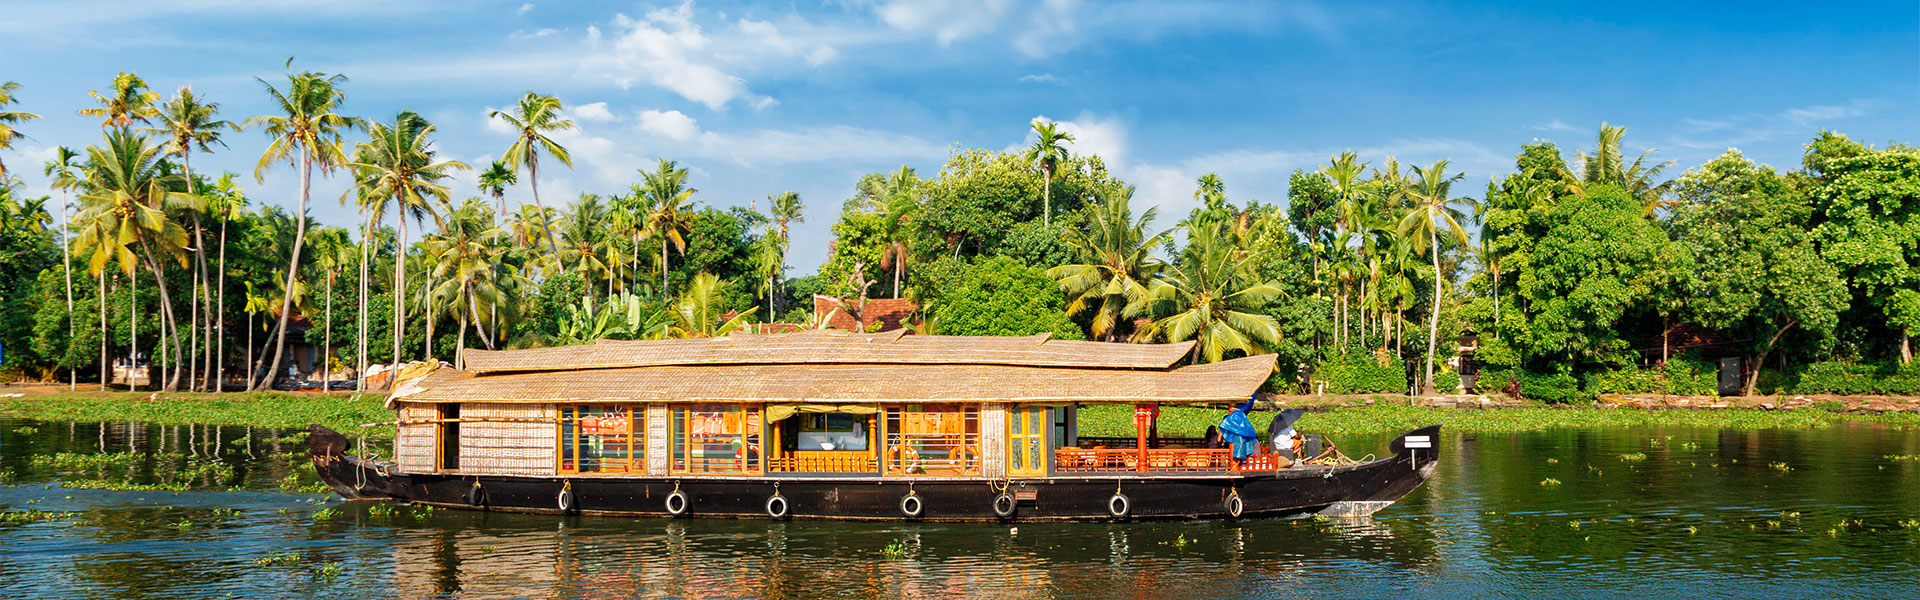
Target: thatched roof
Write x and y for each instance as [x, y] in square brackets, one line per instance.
[1226, 381]
[832, 347]
[833, 366]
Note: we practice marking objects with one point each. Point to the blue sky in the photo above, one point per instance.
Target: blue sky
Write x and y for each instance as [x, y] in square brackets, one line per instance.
[761, 98]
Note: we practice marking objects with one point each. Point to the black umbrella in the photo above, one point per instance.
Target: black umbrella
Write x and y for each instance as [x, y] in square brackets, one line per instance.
[1283, 420]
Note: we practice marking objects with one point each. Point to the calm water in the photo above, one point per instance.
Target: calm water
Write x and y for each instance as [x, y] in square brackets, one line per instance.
[1705, 513]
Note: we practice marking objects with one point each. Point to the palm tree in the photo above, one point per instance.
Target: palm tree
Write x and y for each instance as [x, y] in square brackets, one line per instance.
[467, 256]
[1047, 153]
[398, 163]
[129, 191]
[1433, 211]
[699, 312]
[97, 237]
[8, 119]
[65, 172]
[494, 182]
[785, 210]
[1120, 267]
[533, 118]
[331, 250]
[896, 229]
[669, 211]
[256, 304]
[225, 199]
[1210, 298]
[306, 131]
[129, 101]
[190, 125]
[1608, 165]
[589, 249]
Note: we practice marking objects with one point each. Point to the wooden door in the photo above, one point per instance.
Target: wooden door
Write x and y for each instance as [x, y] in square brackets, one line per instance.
[1027, 441]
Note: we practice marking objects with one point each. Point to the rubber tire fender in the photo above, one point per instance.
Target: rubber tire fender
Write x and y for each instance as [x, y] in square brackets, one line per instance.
[783, 507]
[1004, 505]
[912, 506]
[678, 498]
[1234, 505]
[565, 500]
[476, 496]
[1119, 505]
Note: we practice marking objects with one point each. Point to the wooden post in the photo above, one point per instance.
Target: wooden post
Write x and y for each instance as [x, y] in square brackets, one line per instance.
[1143, 420]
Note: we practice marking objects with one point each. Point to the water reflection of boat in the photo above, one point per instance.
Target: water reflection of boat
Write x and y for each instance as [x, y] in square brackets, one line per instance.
[834, 425]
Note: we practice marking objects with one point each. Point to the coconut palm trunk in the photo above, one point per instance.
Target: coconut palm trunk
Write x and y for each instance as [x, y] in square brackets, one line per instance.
[293, 272]
[1433, 323]
[133, 329]
[66, 264]
[169, 325]
[326, 348]
[220, 320]
[400, 283]
[366, 247]
[105, 378]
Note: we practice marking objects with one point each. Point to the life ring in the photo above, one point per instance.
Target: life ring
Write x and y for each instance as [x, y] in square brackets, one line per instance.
[475, 495]
[677, 503]
[911, 506]
[777, 506]
[1119, 505]
[1004, 505]
[960, 456]
[905, 456]
[1233, 504]
[565, 500]
[742, 454]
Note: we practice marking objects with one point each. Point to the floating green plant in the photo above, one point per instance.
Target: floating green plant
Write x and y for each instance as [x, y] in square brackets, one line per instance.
[1903, 457]
[325, 514]
[1636, 456]
[1780, 466]
[1549, 481]
[895, 550]
[34, 515]
[287, 558]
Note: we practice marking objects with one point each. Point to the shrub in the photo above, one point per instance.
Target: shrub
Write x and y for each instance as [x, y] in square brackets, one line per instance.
[1361, 373]
[1680, 376]
[1853, 379]
[1552, 388]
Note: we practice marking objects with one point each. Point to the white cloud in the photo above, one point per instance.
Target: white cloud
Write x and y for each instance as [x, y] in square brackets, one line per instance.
[594, 111]
[673, 132]
[523, 35]
[1042, 78]
[523, 9]
[1556, 125]
[669, 48]
[671, 124]
[1748, 128]
[1036, 29]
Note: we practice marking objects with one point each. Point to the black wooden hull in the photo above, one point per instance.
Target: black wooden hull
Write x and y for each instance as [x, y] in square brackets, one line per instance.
[1350, 490]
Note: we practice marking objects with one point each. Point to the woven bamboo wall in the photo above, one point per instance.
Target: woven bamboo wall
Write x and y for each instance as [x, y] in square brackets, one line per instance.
[413, 445]
[502, 448]
[658, 450]
[993, 439]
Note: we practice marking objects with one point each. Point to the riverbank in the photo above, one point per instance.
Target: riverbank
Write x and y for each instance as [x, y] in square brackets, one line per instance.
[1348, 415]
[343, 411]
[1381, 417]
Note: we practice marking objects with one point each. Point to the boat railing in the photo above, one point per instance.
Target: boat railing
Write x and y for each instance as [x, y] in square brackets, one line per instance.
[822, 461]
[1157, 460]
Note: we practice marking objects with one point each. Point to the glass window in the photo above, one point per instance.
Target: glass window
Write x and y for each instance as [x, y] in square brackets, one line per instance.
[603, 439]
[716, 438]
[832, 431]
[932, 439]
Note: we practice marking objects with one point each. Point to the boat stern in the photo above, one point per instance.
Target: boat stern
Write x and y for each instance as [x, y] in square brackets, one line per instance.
[351, 477]
[1415, 456]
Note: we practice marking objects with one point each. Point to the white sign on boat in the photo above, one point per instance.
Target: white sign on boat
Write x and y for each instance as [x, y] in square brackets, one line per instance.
[1419, 441]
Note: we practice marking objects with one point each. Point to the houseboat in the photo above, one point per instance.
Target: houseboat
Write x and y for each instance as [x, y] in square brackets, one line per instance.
[839, 425]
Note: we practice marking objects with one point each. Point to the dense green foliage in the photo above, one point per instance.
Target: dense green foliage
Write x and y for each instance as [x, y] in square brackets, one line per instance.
[1679, 376]
[1582, 274]
[1001, 296]
[1362, 373]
